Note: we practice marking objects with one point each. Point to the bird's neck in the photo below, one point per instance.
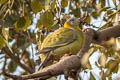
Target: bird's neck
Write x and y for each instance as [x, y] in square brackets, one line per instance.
[66, 25]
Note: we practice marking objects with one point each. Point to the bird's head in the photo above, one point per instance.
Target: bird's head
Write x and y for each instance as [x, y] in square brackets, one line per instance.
[72, 22]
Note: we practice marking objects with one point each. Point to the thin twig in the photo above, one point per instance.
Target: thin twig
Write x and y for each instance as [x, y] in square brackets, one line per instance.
[17, 61]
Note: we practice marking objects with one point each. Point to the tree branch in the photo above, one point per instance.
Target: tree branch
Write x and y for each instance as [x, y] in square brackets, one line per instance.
[16, 60]
[106, 34]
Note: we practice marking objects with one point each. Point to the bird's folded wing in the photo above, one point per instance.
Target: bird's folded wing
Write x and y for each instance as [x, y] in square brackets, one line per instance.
[59, 38]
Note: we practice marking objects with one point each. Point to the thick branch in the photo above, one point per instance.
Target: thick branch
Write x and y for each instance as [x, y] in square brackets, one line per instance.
[67, 63]
[106, 34]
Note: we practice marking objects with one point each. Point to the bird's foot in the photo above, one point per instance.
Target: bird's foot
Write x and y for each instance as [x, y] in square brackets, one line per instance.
[71, 74]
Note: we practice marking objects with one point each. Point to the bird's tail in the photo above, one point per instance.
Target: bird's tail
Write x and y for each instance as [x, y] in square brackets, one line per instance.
[44, 60]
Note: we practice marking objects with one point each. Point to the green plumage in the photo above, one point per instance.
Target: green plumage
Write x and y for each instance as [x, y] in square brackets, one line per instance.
[65, 40]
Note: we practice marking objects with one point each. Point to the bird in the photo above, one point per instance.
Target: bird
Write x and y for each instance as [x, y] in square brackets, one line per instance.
[65, 40]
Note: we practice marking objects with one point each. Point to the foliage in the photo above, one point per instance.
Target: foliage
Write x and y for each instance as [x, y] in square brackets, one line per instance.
[17, 34]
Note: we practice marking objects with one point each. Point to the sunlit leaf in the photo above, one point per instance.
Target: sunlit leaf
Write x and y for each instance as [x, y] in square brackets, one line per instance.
[118, 44]
[110, 42]
[12, 66]
[53, 5]
[102, 74]
[9, 47]
[111, 65]
[109, 52]
[45, 3]
[102, 60]
[102, 2]
[116, 21]
[88, 65]
[22, 23]
[98, 6]
[46, 19]
[1, 42]
[5, 32]
[92, 77]
[64, 3]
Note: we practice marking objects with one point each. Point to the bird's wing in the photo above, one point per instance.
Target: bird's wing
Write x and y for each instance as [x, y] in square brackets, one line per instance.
[59, 38]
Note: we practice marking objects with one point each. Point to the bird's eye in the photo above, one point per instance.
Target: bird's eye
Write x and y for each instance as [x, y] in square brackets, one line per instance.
[72, 20]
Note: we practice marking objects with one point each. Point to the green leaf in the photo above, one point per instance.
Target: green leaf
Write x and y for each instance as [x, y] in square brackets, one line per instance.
[36, 6]
[104, 9]
[109, 52]
[109, 12]
[92, 77]
[115, 69]
[53, 5]
[64, 3]
[95, 15]
[112, 66]
[12, 66]
[46, 19]
[88, 19]
[76, 12]
[103, 2]
[109, 78]
[1, 42]
[110, 63]
[22, 23]
[22, 43]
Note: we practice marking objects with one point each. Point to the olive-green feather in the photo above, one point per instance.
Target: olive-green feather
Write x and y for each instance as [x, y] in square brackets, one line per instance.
[59, 38]
[65, 40]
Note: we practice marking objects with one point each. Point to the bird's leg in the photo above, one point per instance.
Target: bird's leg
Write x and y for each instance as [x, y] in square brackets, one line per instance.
[71, 75]
[66, 74]
[77, 74]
